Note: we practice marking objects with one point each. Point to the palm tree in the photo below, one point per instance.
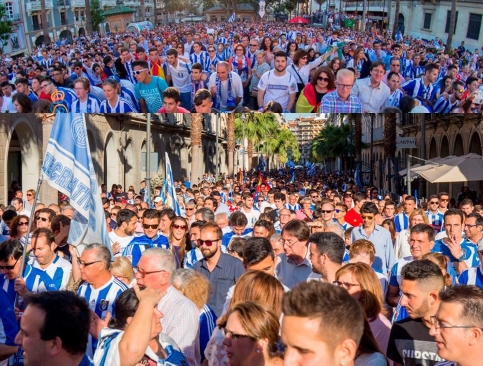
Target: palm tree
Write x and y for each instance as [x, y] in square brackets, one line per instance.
[320, 2]
[195, 134]
[278, 145]
[88, 17]
[395, 26]
[390, 120]
[230, 126]
[332, 142]
[155, 10]
[45, 25]
[452, 25]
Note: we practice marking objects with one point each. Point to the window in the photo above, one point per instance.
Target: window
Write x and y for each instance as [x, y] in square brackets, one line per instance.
[474, 26]
[9, 10]
[63, 19]
[448, 21]
[35, 22]
[427, 21]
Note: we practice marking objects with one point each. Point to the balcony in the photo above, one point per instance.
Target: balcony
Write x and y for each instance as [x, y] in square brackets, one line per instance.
[108, 3]
[132, 3]
[35, 6]
[63, 3]
[78, 3]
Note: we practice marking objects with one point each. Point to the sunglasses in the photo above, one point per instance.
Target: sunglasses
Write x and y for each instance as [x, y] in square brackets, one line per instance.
[444, 199]
[9, 268]
[147, 226]
[253, 45]
[138, 72]
[189, 209]
[320, 78]
[37, 218]
[326, 211]
[182, 227]
[460, 90]
[364, 217]
[337, 210]
[29, 194]
[208, 243]
[434, 203]
[23, 223]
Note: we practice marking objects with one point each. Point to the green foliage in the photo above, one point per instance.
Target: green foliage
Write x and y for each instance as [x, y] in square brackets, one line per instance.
[333, 141]
[5, 26]
[96, 14]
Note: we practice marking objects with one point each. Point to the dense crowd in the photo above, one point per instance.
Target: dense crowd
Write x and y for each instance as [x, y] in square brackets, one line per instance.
[260, 270]
[269, 66]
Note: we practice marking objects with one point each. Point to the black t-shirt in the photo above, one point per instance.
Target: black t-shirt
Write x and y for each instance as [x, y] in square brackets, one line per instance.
[411, 345]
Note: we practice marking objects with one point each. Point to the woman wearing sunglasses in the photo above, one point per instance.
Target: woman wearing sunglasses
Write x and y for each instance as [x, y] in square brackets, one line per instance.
[177, 238]
[19, 227]
[323, 82]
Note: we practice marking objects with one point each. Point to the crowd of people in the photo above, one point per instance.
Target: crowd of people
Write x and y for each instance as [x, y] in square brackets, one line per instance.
[265, 271]
[249, 66]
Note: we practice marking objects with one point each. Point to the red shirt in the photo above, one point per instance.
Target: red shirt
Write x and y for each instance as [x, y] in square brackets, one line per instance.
[353, 218]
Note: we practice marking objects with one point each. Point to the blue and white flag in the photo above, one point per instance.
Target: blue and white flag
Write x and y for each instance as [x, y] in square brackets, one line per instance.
[262, 165]
[68, 168]
[171, 200]
[357, 176]
[311, 170]
[293, 175]
[232, 18]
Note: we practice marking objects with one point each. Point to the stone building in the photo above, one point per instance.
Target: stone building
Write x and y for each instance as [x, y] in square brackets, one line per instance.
[116, 143]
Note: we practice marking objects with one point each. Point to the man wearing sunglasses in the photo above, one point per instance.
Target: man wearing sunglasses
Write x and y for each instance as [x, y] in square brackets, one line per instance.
[10, 264]
[446, 101]
[377, 235]
[44, 217]
[221, 269]
[435, 217]
[150, 239]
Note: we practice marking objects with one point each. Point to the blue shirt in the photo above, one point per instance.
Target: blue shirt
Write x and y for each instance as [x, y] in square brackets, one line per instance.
[7, 286]
[8, 321]
[52, 278]
[401, 222]
[226, 238]
[381, 238]
[152, 93]
[207, 326]
[138, 245]
[471, 276]
[469, 250]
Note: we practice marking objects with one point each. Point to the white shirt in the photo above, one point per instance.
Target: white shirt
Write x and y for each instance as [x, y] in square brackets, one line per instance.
[373, 99]
[236, 86]
[252, 216]
[123, 241]
[277, 88]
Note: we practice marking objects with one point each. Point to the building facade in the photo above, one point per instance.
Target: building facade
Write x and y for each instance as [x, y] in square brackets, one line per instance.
[17, 42]
[306, 129]
[117, 144]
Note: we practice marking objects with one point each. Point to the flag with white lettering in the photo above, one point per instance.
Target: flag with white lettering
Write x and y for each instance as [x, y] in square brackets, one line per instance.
[68, 168]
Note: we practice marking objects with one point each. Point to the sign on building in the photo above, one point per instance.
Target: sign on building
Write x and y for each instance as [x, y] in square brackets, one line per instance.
[406, 142]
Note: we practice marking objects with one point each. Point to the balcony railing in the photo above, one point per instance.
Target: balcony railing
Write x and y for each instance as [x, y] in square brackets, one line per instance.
[132, 3]
[78, 3]
[35, 6]
[62, 3]
[109, 3]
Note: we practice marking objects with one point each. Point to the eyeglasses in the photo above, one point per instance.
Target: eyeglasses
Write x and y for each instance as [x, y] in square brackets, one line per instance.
[434, 203]
[45, 85]
[444, 199]
[208, 243]
[436, 324]
[235, 336]
[84, 264]
[467, 225]
[10, 268]
[369, 218]
[182, 227]
[37, 218]
[320, 78]
[345, 86]
[147, 226]
[23, 223]
[143, 273]
[189, 209]
[286, 242]
[29, 194]
[253, 45]
[138, 72]
[346, 285]
[211, 51]
[327, 211]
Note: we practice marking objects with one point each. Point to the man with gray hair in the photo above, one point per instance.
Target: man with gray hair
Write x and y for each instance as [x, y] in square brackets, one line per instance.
[204, 214]
[100, 288]
[181, 316]
[334, 227]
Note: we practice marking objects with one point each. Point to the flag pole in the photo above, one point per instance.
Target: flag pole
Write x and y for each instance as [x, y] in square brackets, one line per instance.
[148, 158]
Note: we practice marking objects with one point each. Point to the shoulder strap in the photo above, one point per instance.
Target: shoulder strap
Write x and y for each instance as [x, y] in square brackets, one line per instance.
[294, 69]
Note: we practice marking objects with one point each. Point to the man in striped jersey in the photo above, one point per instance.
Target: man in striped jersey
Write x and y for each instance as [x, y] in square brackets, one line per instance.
[458, 326]
[47, 271]
[401, 221]
[421, 240]
[474, 276]
[446, 102]
[423, 87]
[10, 264]
[100, 288]
[435, 218]
[150, 239]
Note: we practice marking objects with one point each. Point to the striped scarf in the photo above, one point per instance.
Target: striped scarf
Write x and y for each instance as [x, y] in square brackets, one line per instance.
[240, 65]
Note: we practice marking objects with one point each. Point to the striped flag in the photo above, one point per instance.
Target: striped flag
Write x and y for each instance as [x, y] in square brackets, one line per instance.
[232, 18]
[171, 200]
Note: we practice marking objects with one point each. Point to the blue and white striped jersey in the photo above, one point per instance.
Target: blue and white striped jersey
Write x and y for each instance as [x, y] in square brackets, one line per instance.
[471, 276]
[193, 256]
[7, 286]
[122, 106]
[129, 95]
[443, 105]
[470, 255]
[395, 275]
[138, 245]
[416, 88]
[295, 207]
[401, 221]
[435, 220]
[8, 320]
[92, 105]
[101, 300]
[53, 278]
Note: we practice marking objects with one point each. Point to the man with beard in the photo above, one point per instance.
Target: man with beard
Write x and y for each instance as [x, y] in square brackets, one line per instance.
[410, 342]
[278, 85]
[222, 270]
[326, 253]
[194, 255]
[124, 233]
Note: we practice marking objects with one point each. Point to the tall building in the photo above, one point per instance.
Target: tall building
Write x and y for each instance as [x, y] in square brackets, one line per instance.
[306, 129]
[16, 43]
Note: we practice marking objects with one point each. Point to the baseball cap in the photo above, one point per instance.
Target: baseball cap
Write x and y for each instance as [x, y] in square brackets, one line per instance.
[158, 199]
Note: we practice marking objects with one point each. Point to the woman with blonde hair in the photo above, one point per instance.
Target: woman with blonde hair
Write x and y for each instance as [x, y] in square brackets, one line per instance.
[177, 238]
[196, 287]
[360, 280]
[251, 286]
[442, 262]
[401, 246]
[251, 332]
[122, 269]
